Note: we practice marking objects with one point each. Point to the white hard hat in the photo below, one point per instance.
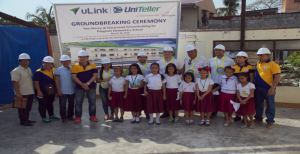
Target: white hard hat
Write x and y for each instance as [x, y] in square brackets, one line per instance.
[263, 51]
[168, 48]
[83, 53]
[220, 46]
[105, 60]
[24, 56]
[142, 54]
[64, 58]
[48, 59]
[243, 54]
[190, 47]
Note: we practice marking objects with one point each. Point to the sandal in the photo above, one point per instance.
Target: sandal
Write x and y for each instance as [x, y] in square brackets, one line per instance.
[111, 116]
[106, 117]
[251, 127]
[242, 127]
[207, 122]
[227, 123]
[202, 122]
[231, 120]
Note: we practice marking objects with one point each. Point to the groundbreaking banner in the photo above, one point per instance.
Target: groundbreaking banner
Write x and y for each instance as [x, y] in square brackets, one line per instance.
[118, 30]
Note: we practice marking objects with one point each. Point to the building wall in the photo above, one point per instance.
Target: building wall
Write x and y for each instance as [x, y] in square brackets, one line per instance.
[290, 6]
[203, 41]
[188, 19]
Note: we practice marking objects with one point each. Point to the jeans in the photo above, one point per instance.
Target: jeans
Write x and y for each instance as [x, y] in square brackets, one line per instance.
[261, 95]
[103, 94]
[24, 113]
[46, 104]
[63, 105]
[215, 98]
[91, 96]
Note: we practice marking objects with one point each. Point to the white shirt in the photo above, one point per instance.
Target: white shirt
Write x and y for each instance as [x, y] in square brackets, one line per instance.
[201, 62]
[147, 69]
[204, 84]
[154, 81]
[135, 80]
[245, 91]
[214, 75]
[163, 67]
[117, 84]
[106, 73]
[228, 86]
[173, 81]
[24, 78]
[184, 87]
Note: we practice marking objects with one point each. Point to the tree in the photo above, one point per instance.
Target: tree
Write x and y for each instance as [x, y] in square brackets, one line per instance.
[43, 18]
[231, 8]
[3, 20]
[264, 4]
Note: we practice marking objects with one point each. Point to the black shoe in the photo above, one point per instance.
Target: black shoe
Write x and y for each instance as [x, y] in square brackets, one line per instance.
[213, 115]
[237, 118]
[147, 116]
[116, 119]
[64, 120]
[26, 123]
[150, 123]
[31, 121]
[71, 118]
[132, 121]
[164, 115]
[158, 123]
[121, 119]
[137, 122]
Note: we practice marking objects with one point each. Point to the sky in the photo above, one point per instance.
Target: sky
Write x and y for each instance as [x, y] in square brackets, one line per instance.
[19, 8]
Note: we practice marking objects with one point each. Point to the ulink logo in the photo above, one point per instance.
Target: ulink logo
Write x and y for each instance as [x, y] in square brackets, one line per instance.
[90, 11]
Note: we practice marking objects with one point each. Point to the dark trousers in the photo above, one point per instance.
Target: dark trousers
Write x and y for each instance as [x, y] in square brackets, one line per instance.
[215, 98]
[24, 113]
[64, 111]
[46, 104]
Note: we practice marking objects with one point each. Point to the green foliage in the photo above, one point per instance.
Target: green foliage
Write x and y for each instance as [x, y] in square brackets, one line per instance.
[43, 18]
[293, 64]
[125, 71]
[231, 8]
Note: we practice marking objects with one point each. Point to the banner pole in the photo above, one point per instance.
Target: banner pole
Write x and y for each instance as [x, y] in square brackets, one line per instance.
[50, 53]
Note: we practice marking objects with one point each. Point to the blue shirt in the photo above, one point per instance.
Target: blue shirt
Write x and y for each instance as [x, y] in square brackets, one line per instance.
[66, 82]
[44, 77]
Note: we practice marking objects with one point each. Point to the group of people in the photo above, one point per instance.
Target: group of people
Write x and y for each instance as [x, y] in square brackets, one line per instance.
[165, 87]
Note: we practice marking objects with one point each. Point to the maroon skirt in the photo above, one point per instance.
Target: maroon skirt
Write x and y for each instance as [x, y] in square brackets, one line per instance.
[207, 104]
[223, 102]
[133, 100]
[117, 99]
[143, 99]
[171, 102]
[188, 101]
[155, 102]
[248, 108]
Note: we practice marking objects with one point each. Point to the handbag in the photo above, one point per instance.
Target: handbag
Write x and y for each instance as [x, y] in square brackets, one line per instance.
[50, 88]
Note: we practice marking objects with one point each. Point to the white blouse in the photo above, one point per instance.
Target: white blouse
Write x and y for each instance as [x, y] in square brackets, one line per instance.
[228, 85]
[154, 81]
[135, 80]
[106, 74]
[173, 81]
[118, 84]
[187, 87]
[245, 91]
[203, 85]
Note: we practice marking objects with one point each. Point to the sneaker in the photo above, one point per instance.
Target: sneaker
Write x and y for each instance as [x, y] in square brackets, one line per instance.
[192, 123]
[116, 119]
[270, 125]
[176, 121]
[77, 120]
[54, 117]
[258, 121]
[237, 118]
[121, 119]
[187, 123]
[170, 121]
[202, 122]
[93, 118]
[46, 120]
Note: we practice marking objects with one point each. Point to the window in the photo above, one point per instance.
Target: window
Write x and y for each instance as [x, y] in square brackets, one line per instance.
[125, 54]
[153, 49]
[95, 49]
[111, 49]
[136, 49]
[102, 50]
[103, 55]
[83, 48]
[111, 54]
[135, 54]
[125, 49]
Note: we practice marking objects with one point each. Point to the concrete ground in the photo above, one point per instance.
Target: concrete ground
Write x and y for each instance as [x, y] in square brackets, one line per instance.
[108, 137]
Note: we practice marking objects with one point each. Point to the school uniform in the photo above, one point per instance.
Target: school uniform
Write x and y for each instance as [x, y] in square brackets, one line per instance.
[171, 92]
[228, 92]
[155, 102]
[263, 80]
[133, 100]
[207, 104]
[249, 107]
[117, 92]
[188, 95]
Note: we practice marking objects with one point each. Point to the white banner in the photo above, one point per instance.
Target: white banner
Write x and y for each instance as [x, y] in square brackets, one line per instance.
[100, 25]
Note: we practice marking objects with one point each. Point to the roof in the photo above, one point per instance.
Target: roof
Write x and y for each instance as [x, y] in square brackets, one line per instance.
[207, 5]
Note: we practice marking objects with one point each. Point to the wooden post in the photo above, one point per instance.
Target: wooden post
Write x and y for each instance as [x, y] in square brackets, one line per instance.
[243, 25]
[50, 53]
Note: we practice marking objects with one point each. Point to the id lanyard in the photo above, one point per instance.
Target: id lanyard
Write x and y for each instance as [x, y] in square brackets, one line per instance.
[220, 70]
[134, 79]
[143, 67]
[165, 61]
[192, 68]
[105, 84]
[203, 89]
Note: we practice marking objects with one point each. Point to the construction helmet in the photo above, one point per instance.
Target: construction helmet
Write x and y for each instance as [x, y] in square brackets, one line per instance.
[64, 58]
[168, 48]
[190, 47]
[263, 51]
[243, 54]
[83, 53]
[142, 54]
[48, 59]
[105, 60]
[220, 46]
[24, 56]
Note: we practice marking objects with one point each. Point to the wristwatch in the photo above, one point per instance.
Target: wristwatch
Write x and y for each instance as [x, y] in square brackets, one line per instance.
[88, 83]
[273, 87]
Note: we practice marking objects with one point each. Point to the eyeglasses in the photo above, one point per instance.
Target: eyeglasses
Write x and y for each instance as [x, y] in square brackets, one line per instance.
[190, 61]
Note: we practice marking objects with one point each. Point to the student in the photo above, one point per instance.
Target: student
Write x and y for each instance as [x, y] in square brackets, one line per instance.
[267, 75]
[173, 82]
[104, 75]
[187, 97]
[21, 77]
[243, 67]
[116, 93]
[84, 74]
[66, 90]
[41, 78]
[156, 94]
[205, 103]
[133, 90]
[227, 84]
[245, 92]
